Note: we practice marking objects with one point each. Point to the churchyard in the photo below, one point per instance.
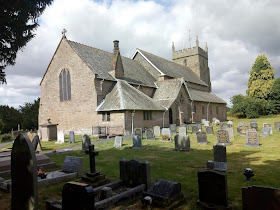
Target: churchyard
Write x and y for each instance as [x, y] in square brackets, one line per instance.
[179, 166]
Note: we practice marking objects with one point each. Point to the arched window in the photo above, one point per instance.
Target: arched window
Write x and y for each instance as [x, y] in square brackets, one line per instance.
[64, 85]
[185, 62]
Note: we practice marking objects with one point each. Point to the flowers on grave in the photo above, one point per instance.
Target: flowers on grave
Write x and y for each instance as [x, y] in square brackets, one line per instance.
[41, 174]
[165, 137]
[54, 151]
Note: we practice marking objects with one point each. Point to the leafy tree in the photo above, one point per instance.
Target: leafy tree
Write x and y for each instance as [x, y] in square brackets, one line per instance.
[30, 113]
[274, 97]
[238, 104]
[19, 19]
[254, 107]
[261, 78]
[11, 118]
[1, 125]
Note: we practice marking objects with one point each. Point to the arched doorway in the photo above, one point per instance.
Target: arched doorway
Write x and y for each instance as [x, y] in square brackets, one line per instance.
[170, 117]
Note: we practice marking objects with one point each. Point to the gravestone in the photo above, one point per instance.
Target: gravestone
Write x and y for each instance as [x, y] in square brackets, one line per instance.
[156, 130]
[217, 122]
[230, 124]
[203, 121]
[24, 174]
[223, 138]
[209, 165]
[118, 141]
[209, 130]
[199, 125]
[223, 126]
[149, 134]
[252, 139]
[253, 125]
[201, 137]
[265, 131]
[37, 144]
[242, 124]
[277, 125]
[242, 129]
[173, 128]
[214, 119]
[206, 123]
[194, 129]
[138, 132]
[73, 164]
[182, 130]
[182, 142]
[29, 136]
[71, 137]
[212, 188]
[92, 155]
[266, 125]
[85, 143]
[166, 131]
[260, 197]
[164, 193]
[230, 133]
[78, 196]
[137, 142]
[220, 158]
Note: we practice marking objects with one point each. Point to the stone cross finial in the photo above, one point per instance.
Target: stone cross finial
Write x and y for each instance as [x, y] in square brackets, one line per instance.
[92, 155]
[64, 31]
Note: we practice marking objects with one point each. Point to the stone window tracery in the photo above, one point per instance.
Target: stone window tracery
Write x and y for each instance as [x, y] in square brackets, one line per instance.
[64, 85]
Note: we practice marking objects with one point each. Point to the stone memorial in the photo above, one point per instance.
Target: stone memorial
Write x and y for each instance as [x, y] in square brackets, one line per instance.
[138, 132]
[78, 196]
[252, 139]
[277, 125]
[24, 174]
[194, 129]
[230, 133]
[253, 125]
[71, 137]
[209, 130]
[214, 119]
[223, 138]
[149, 134]
[85, 143]
[266, 125]
[60, 137]
[201, 137]
[173, 128]
[73, 164]
[167, 132]
[217, 122]
[242, 129]
[37, 144]
[156, 130]
[29, 136]
[265, 131]
[203, 121]
[182, 142]
[48, 131]
[164, 193]
[230, 124]
[213, 191]
[223, 126]
[220, 158]
[206, 123]
[242, 124]
[199, 125]
[210, 165]
[182, 130]
[137, 142]
[118, 141]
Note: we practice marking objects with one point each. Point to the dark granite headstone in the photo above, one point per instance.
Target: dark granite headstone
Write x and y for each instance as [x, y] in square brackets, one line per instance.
[150, 134]
[252, 139]
[73, 164]
[78, 196]
[209, 130]
[220, 158]
[164, 192]
[71, 137]
[85, 143]
[277, 125]
[182, 142]
[137, 142]
[138, 132]
[134, 172]
[194, 129]
[37, 144]
[118, 141]
[223, 138]
[212, 187]
[260, 198]
[24, 174]
[266, 131]
[201, 137]
[209, 165]
[242, 130]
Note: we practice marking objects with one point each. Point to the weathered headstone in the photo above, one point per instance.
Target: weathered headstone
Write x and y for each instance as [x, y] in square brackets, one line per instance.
[265, 131]
[253, 125]
[252, 139]
[182, 130]
[118, 141]
[92, 155]
[137, 142]
[85, 143]
[37, 144]
[194, 129]
[220, 158]
[209, 130]
[206, 123]
[242, 124]
[71, 137]
[182, 142]
[77, 195]
[199, 125]
[230, 133]
[149, 134]
[217, 122]
[214, 119]
[242, 129]
[212, 189]
[60, 137]
[201, 137]
[203, 121]
[73, 164]
[230, 124]
[173, 128]
[29, 136]
[276, 125]
[266, 125]
[24, 174]
[166, 131]
[223, 126]
[156, 130]
[223, 138]
[138, 132]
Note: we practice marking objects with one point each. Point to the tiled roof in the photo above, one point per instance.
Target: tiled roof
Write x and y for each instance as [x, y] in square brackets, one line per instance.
[173, 69]
[205, 96]
[125, 97]
[99, 61]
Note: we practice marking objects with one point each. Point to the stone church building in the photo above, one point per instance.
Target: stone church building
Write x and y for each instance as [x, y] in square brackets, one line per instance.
[88, 90]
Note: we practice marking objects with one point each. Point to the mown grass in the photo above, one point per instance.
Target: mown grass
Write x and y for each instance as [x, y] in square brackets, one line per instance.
[183, 166]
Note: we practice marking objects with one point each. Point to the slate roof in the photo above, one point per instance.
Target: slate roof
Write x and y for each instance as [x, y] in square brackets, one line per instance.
[205, 96]
[100, 61]
[173, 69]
[125, 97]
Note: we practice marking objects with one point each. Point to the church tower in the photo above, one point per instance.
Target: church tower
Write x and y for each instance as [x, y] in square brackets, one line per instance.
[196, 59]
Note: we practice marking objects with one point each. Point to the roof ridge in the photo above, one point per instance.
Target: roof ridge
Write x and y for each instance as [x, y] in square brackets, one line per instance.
[171, 80]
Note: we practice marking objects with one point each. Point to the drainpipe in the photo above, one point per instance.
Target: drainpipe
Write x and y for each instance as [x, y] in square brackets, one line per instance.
[163, 116]
[132, 117]
[208, 110]
[192, 110]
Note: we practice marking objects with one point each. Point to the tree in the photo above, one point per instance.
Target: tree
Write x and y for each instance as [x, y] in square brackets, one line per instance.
[30, 113]
[261, 78]
[274, 96]
[19, 20]
[238, 104]
[1, 125]
[11, 118]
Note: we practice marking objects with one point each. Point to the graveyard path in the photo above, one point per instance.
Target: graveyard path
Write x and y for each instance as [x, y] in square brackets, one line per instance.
[5, 144]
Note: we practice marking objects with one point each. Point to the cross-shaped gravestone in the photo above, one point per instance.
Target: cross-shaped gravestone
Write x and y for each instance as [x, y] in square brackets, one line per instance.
[92, 155]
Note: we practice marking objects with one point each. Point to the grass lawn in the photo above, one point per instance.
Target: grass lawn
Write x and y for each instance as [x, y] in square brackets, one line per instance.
[183, 166]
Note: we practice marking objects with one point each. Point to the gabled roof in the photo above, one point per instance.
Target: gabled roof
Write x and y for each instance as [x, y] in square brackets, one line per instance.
[170, 68]
[125, 97]
[205, 96]
[99, 62]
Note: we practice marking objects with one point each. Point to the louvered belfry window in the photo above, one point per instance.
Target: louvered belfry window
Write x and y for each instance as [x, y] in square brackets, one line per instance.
[64, 85]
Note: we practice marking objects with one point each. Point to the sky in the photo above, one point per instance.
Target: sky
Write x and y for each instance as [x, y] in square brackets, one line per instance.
[236, 32]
